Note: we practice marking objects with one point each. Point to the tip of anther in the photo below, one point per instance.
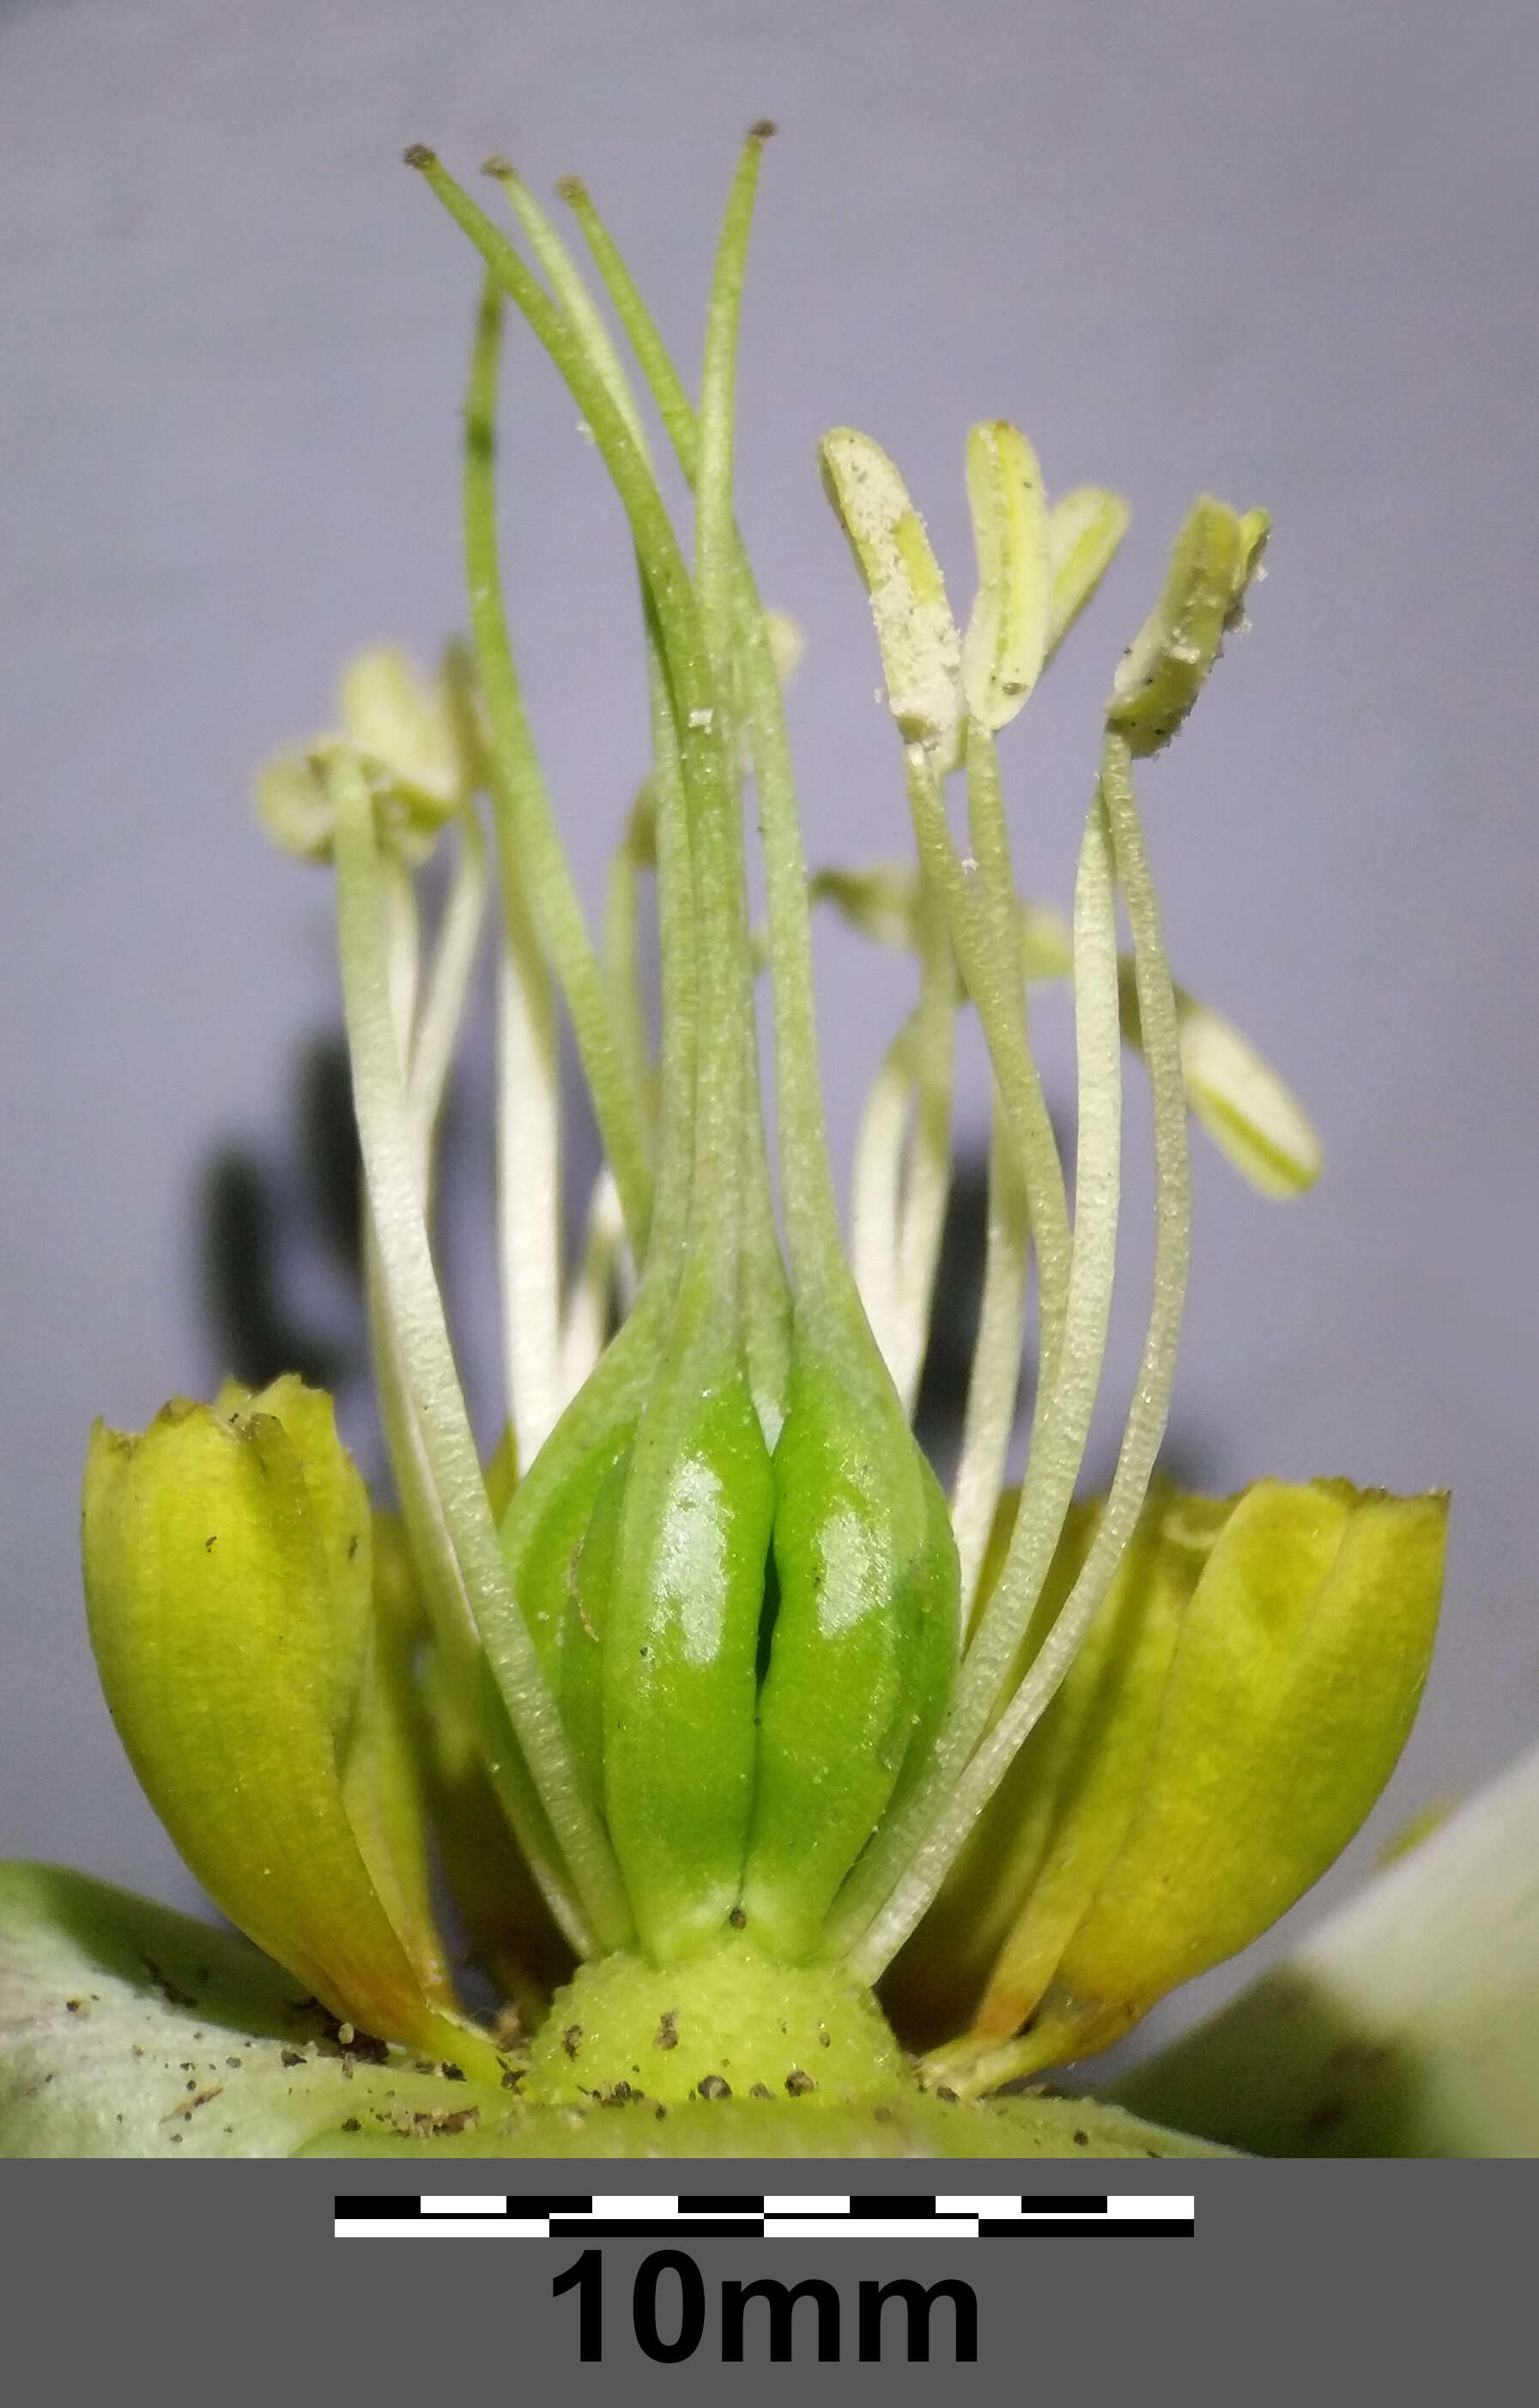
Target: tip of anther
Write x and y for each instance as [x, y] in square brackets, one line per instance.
[498, 165]
[572, 190]
[416, 154]
[761, 130]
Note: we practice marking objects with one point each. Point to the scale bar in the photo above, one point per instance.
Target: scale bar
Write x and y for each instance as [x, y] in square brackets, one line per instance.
[694, 2216]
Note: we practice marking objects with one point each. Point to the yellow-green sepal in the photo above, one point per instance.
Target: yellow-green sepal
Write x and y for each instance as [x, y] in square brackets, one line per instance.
[983, 1956]
[1166, 666]
[339, 1509]
[375, 1624]
[222, 1592]
[1293, 1682]
[383, 1760]
[1405, 2026]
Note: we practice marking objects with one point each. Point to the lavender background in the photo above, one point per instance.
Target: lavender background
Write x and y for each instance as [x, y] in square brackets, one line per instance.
[1287, 255]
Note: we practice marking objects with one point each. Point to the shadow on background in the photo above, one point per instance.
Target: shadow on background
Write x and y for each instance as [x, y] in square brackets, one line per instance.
[268, 1225]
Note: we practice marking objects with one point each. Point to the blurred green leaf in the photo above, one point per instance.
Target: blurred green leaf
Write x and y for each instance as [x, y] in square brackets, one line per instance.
[127, 2031]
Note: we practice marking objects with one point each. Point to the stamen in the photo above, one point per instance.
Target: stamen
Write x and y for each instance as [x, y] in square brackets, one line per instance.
[636, 855]
[426, 1362]
[877, 1187]
[1084, 530]
[528, 1175]
[982, 924]
[1007, 633]
[442, 1008]
[1069, 1376]
[595, 1290]
[526, 828]
[449, 1615]
[1062, 1425]
[993, 1387]
[929, 1181]
[900, 1180]
[1151, 1396]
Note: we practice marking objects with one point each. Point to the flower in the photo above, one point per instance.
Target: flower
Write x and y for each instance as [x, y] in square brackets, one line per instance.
[705, 1693]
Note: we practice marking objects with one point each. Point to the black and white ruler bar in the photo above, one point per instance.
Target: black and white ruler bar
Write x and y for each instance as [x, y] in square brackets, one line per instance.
[692, 2216]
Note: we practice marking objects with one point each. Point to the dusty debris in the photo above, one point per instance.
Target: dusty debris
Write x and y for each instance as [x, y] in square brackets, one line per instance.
[430, 2122]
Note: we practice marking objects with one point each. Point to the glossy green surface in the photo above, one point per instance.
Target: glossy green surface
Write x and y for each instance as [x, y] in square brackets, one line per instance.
[863, 1647]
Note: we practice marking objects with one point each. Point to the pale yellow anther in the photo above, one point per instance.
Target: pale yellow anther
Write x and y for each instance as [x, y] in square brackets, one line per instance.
[1164, 668]
[1006, 638]
[1244, 1105]
[1084, 530]
[412, 743]
[398, 720]
[787, 642]
[917, 636]
[294, 807]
